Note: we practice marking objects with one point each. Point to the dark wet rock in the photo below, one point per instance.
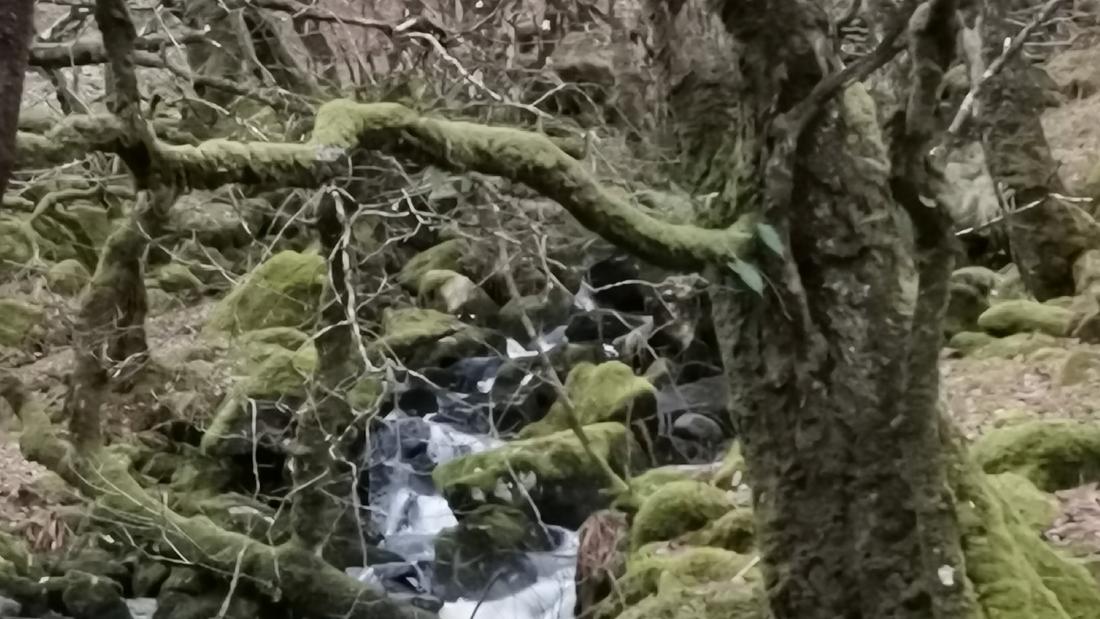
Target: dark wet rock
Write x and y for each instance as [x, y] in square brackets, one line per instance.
[9, 607]
[485, 554]
[707, 396]
[601, 324]
[615, 284]
[698, 427]
[148, 577]
[87, 596]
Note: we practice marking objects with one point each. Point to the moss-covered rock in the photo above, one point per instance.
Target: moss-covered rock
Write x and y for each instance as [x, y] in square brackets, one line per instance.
[422, 337]
[88, 596]
[456, 294]
[273, 364]
[967, 342]
[1035, 508]
[1053, 455]
[213, 220]
[487, 540]
[544, 312]
[444, 256]
[1021, 316]
[68, 277]
[677, 508]
[982, 279]
[283, 292]
[1014, 573]
[658, 573]
[21, 321]
[176, 277]
[604, 392]
[965, 304]
[735, 530]
[1079, 366]
[1019, 344]
[713, 600]
[556, 472]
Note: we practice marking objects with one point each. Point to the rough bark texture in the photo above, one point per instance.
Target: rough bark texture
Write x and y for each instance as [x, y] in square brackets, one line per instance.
[16, 28]
[1045, 240]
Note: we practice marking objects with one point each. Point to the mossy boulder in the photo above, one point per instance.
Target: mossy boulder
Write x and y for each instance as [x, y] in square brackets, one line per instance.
[965, 304]
[88, 596]
[487, 540]
[544, 312]
[444, 256]
[734, 530]
[423, 337]
[967, 342]
[554, 470]
[1014, 572]
[274, 368]
[1052, 455]
[20, 321]
[213, 220]
[980, 278]
[676, 508]
[285, 291]
[68, 277]
[1079, 366]
[1035, 508]
[1017, 345]
[604, 392]
[1022, 316]
[456, 294]
[659, 576]
[176, 277]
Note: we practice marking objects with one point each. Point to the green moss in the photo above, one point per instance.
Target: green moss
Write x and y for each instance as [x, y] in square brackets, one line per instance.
[643, 486]
[598, 393]
[17, 243]
[365, 393]
[1015, 345]
[1053, 455]
[1078, 367]
[552, 459]
[1021, 316]
[967, 342]
[406, 327]
[20, 320]
[716, 600]
[1014, 573]
[661, 571]
[734, 530]
[677, 508]
[283, 292]
[68, 277]
[283, 337]
[175, 277]
[444, 256]
[981, 278]
[732, 468]
[1035, 508]
[965, 305]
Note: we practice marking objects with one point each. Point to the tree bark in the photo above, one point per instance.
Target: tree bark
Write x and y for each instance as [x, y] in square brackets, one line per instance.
[16, 28]
[1047, 239]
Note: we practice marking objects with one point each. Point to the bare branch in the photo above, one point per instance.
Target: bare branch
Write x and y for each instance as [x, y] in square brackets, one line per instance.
[1011, 48]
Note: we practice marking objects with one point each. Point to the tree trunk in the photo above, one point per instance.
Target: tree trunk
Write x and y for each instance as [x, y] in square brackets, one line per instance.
[1048, 238]
[16, 28]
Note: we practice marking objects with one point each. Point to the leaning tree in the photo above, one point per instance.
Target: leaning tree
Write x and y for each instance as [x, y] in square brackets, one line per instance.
[824, 235]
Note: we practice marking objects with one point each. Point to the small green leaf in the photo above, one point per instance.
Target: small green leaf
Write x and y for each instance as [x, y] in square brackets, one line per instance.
[750, 275]
[770, 238]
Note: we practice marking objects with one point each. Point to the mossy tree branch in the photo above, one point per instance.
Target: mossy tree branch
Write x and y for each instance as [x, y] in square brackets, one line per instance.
[341, 126]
